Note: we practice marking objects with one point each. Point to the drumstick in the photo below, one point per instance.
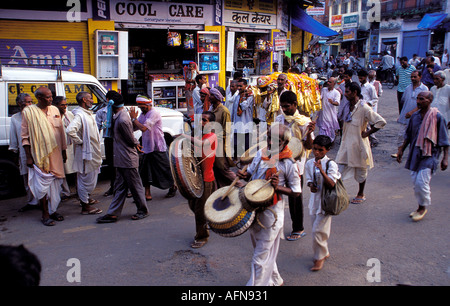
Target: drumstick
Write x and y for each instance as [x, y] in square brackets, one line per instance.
[265, 184]
[205, 158]
[232, 184]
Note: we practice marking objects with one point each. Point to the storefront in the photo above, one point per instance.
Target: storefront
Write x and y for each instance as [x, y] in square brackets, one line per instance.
[251, 34]
[162, 39]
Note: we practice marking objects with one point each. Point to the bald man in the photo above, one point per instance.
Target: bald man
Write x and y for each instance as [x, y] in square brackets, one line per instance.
[327, 119]
[424, 153]
[42, 124]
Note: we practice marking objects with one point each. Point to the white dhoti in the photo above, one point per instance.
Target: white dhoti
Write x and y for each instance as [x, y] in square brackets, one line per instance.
[86, 183]
[421, 181]
[264, 271]
[321, 229]
[45, 184]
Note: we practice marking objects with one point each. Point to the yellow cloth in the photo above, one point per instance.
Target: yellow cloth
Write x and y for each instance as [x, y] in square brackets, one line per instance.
[298, 120]
[42, 136]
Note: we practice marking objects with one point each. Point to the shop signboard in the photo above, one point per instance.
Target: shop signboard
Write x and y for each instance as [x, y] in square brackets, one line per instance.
[316, 11]
[244, 19]
[25, 52]
[336, 21]
[349, 34]
[280, 43]
[160, 12]
[350, 21]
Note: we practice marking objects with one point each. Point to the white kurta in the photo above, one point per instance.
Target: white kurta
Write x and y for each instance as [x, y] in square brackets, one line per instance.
[354, 150]
[327, 120]
[77, 133]
[441, 100]
[68, 165]
[321, 223]
[266, 242]
[15, 142]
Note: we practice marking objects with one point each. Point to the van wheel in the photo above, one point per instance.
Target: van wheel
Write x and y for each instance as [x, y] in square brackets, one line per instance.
[11, 183]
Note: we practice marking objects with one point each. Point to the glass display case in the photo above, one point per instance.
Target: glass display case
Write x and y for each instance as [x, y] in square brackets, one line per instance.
[208, 49]
[111, 55]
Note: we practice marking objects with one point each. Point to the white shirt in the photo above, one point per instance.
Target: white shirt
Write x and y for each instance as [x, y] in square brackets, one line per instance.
[315, 200]
[441, 100]
[370, 95]
[76, 132]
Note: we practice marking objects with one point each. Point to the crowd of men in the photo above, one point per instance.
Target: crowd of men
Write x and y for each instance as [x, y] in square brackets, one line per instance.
[59, 148]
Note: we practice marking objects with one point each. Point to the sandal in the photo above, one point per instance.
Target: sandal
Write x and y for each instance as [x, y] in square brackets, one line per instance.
[295, 236]
[107, 219]
[139, 216]
[93, 201]
[56, 216]
[93, 211]
[196, 244]
[48, 222]
[357, 200]
[108, 193]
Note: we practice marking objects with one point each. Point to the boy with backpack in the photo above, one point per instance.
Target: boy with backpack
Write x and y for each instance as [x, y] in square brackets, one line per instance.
[320, 171]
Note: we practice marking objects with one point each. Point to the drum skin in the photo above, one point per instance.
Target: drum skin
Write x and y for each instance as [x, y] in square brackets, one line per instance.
[187, 174]
[258, 194]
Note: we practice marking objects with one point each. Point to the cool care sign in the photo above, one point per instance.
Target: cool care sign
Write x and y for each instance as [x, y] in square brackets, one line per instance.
[155, 12]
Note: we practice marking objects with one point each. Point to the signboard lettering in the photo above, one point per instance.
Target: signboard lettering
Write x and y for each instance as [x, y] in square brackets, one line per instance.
[43, 52]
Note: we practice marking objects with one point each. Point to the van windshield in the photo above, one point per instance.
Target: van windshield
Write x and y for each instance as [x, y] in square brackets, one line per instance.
[72, 89]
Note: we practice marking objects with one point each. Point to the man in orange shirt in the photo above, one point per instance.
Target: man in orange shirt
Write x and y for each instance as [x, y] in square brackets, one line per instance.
[208, 145]
[44, 141]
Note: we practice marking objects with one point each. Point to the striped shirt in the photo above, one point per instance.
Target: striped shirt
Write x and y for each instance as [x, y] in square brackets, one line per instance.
[404, 77]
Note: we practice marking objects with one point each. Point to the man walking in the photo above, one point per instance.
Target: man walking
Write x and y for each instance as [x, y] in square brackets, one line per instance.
[427, 136]
[355, 155]
[242, 117]
[409, 101]
[126, 161]
[15, 145]
[66, 116]
[302, 128]
[327, 119]
[84, 134]
[155, 165]
[404, 79]
[44, 141]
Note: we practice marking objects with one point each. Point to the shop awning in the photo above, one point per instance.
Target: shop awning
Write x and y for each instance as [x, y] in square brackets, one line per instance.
[431, 21]
[305, 22]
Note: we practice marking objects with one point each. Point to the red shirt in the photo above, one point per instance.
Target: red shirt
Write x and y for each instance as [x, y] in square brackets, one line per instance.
[208, 163]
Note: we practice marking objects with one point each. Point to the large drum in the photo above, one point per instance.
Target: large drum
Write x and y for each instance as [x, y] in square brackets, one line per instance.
[228, 217]
[186, 172]
[259, 194]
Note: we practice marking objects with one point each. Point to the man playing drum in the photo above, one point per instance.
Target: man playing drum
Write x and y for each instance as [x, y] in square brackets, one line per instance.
[208, 145]
[272, 163]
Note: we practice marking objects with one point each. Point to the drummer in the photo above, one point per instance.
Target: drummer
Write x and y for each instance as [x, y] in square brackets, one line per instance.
[273, 162]
[207, 145]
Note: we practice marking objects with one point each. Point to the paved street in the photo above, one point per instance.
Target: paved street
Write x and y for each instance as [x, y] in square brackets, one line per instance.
[156, 250]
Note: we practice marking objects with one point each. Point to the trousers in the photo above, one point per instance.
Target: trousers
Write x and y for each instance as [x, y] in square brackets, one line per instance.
[127, 178]
[421, 181]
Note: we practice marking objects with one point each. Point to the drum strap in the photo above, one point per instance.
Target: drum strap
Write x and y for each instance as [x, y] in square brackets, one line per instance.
[286, 153]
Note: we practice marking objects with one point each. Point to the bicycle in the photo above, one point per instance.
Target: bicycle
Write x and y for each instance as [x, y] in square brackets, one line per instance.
[390, 78]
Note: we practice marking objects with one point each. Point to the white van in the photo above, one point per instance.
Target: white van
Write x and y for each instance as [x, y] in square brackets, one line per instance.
[15, 80]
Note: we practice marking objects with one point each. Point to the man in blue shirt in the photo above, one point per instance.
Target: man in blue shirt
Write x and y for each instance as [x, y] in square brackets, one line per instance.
[428, 71]
[427, 136]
